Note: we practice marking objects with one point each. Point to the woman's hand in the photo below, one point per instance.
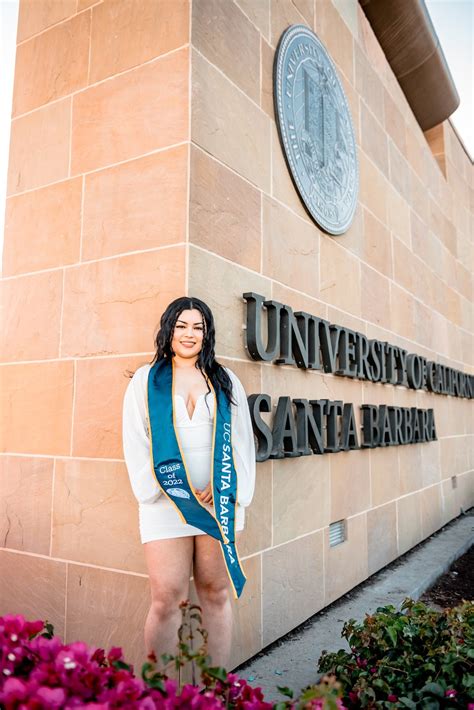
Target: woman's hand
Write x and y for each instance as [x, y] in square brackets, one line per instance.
[205, 496]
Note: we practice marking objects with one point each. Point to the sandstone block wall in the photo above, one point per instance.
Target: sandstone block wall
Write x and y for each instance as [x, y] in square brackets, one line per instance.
[145, 163]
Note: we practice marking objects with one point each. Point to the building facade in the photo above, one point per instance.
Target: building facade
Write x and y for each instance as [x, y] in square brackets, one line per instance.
[145, 163]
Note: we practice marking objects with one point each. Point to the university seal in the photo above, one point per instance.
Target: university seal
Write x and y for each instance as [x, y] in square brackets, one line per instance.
[316, 129]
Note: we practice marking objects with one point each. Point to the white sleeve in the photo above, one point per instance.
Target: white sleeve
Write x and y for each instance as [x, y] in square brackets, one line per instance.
[136, 442]
[243, 442]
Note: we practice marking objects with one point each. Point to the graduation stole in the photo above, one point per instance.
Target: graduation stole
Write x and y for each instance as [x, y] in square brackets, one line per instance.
[169, 467]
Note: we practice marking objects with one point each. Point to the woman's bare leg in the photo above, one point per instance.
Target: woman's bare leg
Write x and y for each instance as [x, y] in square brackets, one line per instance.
[169, 565]
[213, 589]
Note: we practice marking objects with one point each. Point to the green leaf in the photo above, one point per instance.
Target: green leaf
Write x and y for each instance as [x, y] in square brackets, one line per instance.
[392, 632]
[433, 689]
[285, 691]
[218, 672]
[280, 706]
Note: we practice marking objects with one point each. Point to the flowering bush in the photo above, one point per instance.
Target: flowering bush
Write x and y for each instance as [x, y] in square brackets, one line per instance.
[413, 658]
[39, 672]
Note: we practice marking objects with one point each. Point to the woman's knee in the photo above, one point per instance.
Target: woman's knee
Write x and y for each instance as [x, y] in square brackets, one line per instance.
[212, 594]
[166, 598]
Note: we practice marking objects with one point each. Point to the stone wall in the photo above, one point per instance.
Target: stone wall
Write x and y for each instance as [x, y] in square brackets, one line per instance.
[145, 163]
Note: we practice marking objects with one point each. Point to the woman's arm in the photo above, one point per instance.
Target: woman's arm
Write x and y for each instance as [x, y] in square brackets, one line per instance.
[243, 442]
[136, 442]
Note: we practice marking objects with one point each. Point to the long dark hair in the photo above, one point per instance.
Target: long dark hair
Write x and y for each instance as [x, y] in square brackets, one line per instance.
[206, 361]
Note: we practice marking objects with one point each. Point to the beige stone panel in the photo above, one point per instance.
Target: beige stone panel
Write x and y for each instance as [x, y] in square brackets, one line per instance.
[348, 9]
[306, 7]
[39, 147]
[377, 245]
[402, 313]
[352, 97]
[431, 514]
[336, 387]
[350, 483]
[34, 587]
[224, 212]
[463, 280]
[301, 496]
[248, 371]
[398, 215]
[450, 505]
[399, 174]
[372, 49]
[293, 584]
[106, 609]
[394, 123]
[377, 393]
[42, 228]
[466, 490]
[290, 248]
[416, 148]
[346, 565]
[299, 301]
[289, 381]
[385, 474]
[113, 306]
[127, 107]
[424, 332]
[403, 271]
[36, 16]
[258, 13]
[25, 505]
[283, 188]
[136, 205]
[84, 4]
[454, 454]
[32, 314]
[227, 38]
[247, 613]
[411, 468]
[266, 90]
[340, 277]
[353, 238]
[95, 516]
[373, 188]
[334, 315]
[368, 84]
[430, 462]
[128, 33]
[228, 125]
[374, 140]
[409, 522]
[381, 536]
[99, 390]
[257, 534]
[60, 58]
[283, 14]
[419, 196]
[222, 290]
[35, 416]
[375, 300]
[335, 35]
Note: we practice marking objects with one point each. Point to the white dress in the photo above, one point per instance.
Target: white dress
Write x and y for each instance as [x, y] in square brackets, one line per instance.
[158, 517]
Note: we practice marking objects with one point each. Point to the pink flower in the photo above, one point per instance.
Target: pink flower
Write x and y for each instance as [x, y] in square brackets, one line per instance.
[451, 693]
[52, 697]
[392, 698]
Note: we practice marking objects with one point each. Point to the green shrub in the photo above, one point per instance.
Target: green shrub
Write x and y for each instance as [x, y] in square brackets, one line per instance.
[413, 658]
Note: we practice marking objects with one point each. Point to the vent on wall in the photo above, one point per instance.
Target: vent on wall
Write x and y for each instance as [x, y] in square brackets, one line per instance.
[337, 533]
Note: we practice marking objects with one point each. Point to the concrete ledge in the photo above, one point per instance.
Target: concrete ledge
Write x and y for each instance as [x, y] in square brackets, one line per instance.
[292, 661]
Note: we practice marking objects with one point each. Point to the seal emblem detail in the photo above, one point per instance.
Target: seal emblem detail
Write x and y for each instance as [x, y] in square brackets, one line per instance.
[316, 129]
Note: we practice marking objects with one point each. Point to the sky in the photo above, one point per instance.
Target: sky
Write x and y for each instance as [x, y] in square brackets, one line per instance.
[453, 21]
[454, 24]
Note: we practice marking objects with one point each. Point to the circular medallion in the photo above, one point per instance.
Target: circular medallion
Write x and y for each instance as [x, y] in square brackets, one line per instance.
[315, 129]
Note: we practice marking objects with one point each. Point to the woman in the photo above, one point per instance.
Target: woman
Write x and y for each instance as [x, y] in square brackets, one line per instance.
[190, 455]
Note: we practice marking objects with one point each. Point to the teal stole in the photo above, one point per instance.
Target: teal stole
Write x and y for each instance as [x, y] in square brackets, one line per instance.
[169, 467]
